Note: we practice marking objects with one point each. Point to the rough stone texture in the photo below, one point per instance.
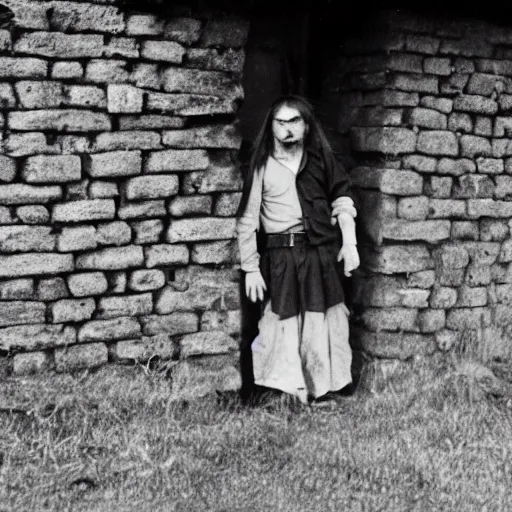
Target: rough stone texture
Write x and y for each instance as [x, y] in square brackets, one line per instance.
[151, 187]
[90, 283]
[211, 228]
[113, 164]
[17, 289]
[183, 206]
[36, 336]
[36, 214]
[77, 238]
[35, 264]
[215, 136]
[109, 330]
[142, 209]
[111, 258]
[26, 239]
[147, 231]
[146, 280]
[176, 160]
[113, 233]
[206, 343]
[386, 140]
[80, 211]
[173, 324]
[51, 169]
[71, 310]
[70, 120]
[166, 254]
[166, 51]
[52, 289]
[78, 357]
[213, 252]
[31, 362]
[128, 305]
[18, 193]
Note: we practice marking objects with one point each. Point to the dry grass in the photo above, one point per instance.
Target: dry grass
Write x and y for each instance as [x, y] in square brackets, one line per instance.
[432, 438]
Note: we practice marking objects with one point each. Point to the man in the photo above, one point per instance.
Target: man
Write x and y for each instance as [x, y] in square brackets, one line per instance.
[297, 192]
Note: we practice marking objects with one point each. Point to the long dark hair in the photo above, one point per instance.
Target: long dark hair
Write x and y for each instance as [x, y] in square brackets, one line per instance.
[263, 146]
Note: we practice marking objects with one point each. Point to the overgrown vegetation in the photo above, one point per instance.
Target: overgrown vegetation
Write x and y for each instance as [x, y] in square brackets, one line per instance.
[436, 435]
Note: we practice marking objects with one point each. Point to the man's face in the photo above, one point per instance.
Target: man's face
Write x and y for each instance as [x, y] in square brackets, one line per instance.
[288, 127]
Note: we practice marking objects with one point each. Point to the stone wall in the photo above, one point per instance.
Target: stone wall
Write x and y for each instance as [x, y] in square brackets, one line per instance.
[426, 104]
[118, 188]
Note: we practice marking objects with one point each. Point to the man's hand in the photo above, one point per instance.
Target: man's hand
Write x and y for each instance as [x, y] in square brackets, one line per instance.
[254, 286]
[349, 254]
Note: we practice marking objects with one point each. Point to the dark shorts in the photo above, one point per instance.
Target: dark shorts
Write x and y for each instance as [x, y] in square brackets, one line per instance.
[302, 278]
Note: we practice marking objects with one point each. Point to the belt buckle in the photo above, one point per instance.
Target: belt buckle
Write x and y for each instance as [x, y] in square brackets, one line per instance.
[292, 239]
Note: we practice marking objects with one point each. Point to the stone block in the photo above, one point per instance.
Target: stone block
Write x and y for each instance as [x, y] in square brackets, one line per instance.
[70, 120]
[452, 256]
[127, 305]
[84, 17]
[431, 320]
[388, 140]
[31, 362]
[424, 279]
[79, 357]
[475, 104]
[223, 251]
[17, 289]
[147, 231]
[142, 209]
[483, 126]
[84, 211]
[489, 208]
[389, 181]
[206, 343]
[503, 293]
[390, 319]
[230, 60]
[191, 230]
[413, 208]
[446, 208]
[506, 251]
[18, 193]
[184, 30]
[483, 84]
[431, 231]
[107, 71]
[451, 276]
[86, 96]
[73, 144]
[440, 187]
[53, 288]
[471, 296]
[456, 167]
[501, 148]
[35, 264]
[460, 122]
[465, 230]
[146, 280]
[438, 142]
[460, 319]
[21, 312]
[389, 98]
[71, 310]
[406, 62]
[477, 275]
[164, 51]
[190, 104]
[172, 324]
[67, 70]
[113, 233]
[124, 99]
[103, 190]
[36, 214]
[126, 47]
[502, 126]
[26, 239]
[444, 105]
[492, 230]
[36, 336]
[415, 82]
[117, 282]
[39, 94]
[77, 238]
[109, 330]
[150, 122]
[437, 66]
[222, 175]
[144, 25]
[127, 140]
[422, 44]
[89, 283]
[51, 169]
[59, 45]
[379, 116]
[12, 67]
[191, 205]
[7, 169]
[482, 253]
[176, 160]
[166, 254]
[111, 258]
[216, 136]
[151, 187]
[473, 186]
[396, 259]
[426, 118]
[77, 191]
[161, 346]
[147, 76]
[443, 297]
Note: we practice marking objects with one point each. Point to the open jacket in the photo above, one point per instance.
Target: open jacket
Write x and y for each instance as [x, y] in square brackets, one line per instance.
[316, 186]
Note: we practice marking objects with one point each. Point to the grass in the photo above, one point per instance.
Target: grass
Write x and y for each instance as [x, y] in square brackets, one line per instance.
[432, 437]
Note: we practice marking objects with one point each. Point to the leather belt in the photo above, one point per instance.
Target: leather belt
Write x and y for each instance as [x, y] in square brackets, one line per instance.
[277, 240]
